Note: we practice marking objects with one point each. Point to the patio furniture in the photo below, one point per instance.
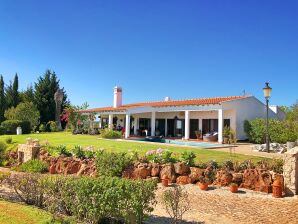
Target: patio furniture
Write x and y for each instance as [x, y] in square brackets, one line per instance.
[210, 137]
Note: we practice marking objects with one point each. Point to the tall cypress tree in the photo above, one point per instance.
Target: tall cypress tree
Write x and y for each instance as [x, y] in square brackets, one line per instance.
[2, 99]
[12, 93]
[15, 91]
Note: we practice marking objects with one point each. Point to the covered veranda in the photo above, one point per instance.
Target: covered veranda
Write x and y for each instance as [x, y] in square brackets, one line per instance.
[171, 122]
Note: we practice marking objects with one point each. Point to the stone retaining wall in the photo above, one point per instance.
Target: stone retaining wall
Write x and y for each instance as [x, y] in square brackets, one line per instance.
[291, 171]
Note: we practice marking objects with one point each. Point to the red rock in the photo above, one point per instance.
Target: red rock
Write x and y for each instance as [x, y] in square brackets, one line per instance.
[141, 172]
[223, 178]
[52, 169]
[257, 179]
[183, 180]
[72, 167]
[155, 170]
[195, 174]
[181, 168]
[168, 171]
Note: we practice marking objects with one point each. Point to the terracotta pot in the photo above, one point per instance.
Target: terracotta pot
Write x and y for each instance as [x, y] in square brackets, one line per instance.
[203, 186]
[277, 189]
[165, 182]
[226, 140]
[234, 188]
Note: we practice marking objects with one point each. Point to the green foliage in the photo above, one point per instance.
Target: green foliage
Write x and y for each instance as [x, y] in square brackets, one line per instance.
[12, 93]
[2, 100]
[3, 147]
[108, 133]
[226, 132]
[45, 88]
[166, 157]
[62, 150]
[52, 126]
[10, 126]
[72, 115]
[24, 112]
[93, 200]
[33, 166]
[111, 164]
[188, 158]
[2, 130]
[79, 152]
[279, 131]
[277, 165]
[212, 164]
[42, 128]
[228, 164]
[8, 140]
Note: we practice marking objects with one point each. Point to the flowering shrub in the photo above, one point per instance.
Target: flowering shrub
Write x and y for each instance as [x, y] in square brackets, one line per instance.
[160, 156]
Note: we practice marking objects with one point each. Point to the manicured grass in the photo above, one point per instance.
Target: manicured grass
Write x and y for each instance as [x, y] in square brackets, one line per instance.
[65, 138]
[13, 213]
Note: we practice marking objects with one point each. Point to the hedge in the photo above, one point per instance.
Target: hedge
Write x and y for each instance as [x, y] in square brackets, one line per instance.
[88, 199]
[10, 126]
[279, 131]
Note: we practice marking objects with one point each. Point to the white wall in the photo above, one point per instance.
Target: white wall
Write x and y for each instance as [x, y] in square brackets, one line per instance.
[247, 109]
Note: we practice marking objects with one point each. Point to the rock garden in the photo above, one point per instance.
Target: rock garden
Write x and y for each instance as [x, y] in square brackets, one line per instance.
[67, 181]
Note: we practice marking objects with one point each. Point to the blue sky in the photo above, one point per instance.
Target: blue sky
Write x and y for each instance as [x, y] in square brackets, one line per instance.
[153, 49]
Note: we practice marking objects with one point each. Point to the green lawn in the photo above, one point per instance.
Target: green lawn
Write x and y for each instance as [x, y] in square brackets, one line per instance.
[123, 146]
[13, 213]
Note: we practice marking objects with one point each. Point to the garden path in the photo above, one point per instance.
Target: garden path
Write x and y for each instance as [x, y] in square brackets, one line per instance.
[220, 206]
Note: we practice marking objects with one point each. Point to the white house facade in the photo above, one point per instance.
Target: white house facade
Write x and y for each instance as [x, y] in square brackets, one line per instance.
[182, 118]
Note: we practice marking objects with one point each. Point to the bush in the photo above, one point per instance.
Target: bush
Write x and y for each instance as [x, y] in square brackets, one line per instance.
[28, 187]
[111, 164]
[42, 128]
[279, 131]
[33, 166]
[10, 126]
[52, 126]
[2, 130]
[3, 147]
[8, 140]
[228, 165]
[62, 151]
[176, 203]
[188, 158]
[108, 133]
[93, 200]
[78, 152]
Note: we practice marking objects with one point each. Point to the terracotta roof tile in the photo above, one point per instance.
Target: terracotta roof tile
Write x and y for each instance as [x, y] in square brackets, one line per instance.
[170, 103]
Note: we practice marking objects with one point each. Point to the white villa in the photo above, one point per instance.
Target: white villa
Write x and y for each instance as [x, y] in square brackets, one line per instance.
[182, 118]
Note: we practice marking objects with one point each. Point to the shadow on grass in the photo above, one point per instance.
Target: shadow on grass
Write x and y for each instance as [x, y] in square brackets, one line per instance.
[166, 220]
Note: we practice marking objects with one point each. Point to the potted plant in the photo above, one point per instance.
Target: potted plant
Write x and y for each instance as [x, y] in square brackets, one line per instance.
[198, 134]
[203, 183]
[234, 187]
[226, 135]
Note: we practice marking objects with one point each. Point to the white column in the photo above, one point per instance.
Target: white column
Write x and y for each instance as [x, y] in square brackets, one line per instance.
[110, 121]
[127, 125]
[220, 125]
[186, 132]
[135, 127]
[153, 123]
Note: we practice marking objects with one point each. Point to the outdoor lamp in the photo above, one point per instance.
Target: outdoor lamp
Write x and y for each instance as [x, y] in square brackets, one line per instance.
[267, 94]
[267, 90]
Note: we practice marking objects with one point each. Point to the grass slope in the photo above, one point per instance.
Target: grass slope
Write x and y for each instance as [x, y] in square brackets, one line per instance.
[13, 213]
[64, 138]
